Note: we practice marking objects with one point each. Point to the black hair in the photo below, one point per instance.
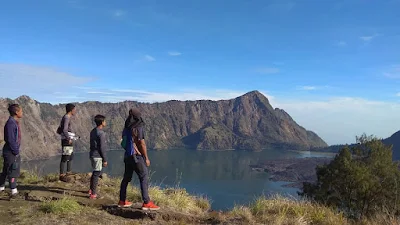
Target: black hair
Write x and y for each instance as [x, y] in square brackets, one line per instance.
[13, 109]
[99, 119]
[69, 107]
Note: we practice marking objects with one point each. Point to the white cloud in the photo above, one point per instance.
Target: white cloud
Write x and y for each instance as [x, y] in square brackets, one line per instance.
[341, 43]
[369, 38]
[307, 88]
[185, 95]
[99, 92]
[21, 79]
[268, 70]
[174, 53]
[339, 120]
[119, 13]
[312, 88]
[149, 58]
[393, 72]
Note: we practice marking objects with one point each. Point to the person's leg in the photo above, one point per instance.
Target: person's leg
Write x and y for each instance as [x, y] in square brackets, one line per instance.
[62, 165]
[14, 172]
[3, 175]
[127, 178]
[97, 167]
[13, 185]
[143, 174]
[69, 163]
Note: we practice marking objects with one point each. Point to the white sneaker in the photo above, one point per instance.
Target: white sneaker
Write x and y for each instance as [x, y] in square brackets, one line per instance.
[2, 189]
[14, 191]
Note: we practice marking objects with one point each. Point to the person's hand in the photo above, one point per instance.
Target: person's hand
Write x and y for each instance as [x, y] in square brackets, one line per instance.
[69, 141]
[105, 164]
[147, 162]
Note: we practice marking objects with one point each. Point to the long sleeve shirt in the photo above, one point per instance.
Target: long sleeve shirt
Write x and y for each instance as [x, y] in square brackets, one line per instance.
[12, 137]
[98, 144]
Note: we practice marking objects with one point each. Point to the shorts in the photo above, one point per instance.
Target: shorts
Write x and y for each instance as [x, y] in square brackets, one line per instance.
[67, 150]
[97, 164]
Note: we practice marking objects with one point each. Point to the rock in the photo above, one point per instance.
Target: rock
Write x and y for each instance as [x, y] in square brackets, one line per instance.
[247, 122]
[135, 212]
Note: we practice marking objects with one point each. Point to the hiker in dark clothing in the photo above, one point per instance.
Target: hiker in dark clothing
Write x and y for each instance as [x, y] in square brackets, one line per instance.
[67, 139]
[97, 153]
[11, 150]
[136, 159]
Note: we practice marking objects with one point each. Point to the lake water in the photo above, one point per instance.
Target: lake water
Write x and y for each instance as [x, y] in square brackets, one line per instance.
[224, 176]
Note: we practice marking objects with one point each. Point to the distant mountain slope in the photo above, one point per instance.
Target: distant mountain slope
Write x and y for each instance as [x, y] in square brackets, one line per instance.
[247, 122]
[393, 140]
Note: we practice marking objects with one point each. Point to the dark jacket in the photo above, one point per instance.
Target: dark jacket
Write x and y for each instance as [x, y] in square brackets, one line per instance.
[98, 145]
[12, 137]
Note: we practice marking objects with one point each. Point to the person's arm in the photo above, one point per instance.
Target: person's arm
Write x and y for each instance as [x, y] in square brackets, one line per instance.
[103, 146]
[65, 128]
[141, 144]
[11, 137]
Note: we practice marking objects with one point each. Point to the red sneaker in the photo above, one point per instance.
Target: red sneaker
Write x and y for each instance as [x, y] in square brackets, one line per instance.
[150, 206]
[124, 204]
[93, 196]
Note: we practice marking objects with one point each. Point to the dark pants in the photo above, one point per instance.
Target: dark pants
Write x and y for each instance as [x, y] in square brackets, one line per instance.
[66, 159]
[94, 180]
[141, 170]
[11, 170]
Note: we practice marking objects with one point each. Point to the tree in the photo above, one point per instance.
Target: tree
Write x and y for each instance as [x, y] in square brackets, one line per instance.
[360, 181]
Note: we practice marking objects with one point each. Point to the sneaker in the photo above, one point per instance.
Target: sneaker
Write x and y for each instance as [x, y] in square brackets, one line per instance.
[62, 177]
[90, 191]
[124, 204]
[150, 206]
[16, 196]
[2, 189]
[93, 196]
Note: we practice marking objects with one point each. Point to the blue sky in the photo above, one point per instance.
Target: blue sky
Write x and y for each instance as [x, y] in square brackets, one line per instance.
[333, 65]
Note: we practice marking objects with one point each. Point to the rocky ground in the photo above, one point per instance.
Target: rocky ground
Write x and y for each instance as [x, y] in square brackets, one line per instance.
[293, 170]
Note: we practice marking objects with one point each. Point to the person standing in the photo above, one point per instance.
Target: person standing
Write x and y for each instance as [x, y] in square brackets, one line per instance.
[97, 153]
[11, 150]
[67, 138]
[136, 159]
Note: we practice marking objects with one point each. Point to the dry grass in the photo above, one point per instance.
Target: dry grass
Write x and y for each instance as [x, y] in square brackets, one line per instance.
[176, 199]
[279, 210]
[276, 210]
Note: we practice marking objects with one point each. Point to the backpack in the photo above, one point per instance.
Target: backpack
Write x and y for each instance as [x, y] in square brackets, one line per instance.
[127, 142]
[59, 130]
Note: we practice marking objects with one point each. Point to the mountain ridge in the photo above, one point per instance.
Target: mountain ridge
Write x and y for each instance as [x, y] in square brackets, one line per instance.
[247, 122]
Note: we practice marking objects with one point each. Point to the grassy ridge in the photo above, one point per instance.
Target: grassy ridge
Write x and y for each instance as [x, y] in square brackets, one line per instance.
[276, 210]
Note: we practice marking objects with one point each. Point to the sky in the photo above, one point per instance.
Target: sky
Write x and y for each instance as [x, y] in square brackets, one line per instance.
[333, 65]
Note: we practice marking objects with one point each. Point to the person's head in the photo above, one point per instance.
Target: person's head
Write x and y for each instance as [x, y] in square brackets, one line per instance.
[15, 110]
[135, 113]
[100, 120]
[70, 108]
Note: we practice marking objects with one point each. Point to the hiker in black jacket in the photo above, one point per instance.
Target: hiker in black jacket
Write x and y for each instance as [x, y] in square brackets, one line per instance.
[97, 153]
[11, 150]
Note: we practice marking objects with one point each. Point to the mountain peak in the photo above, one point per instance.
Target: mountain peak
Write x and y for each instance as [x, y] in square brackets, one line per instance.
[255, 94]
[24, 97]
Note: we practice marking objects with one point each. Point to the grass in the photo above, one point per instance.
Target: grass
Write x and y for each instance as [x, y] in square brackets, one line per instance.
[177, 199]
[276, 210]
[279, 210]
[60, 207]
